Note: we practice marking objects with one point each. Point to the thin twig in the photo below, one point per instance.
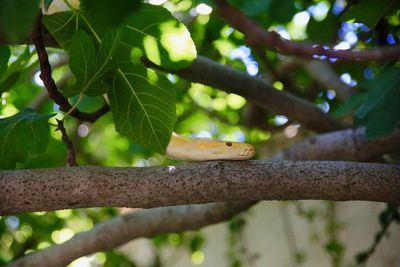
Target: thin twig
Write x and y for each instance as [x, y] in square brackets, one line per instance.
[392, 214]
[259, 37]
[71, 158]
[48, 81]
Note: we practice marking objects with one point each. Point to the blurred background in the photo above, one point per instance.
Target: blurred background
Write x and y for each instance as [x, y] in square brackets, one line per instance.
[303, 233]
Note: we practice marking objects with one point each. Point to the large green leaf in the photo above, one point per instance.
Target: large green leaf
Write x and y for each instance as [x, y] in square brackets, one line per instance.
[22, 136]
[90, 67]
[163, 39]
[143, 106]
[17, 17]
[82, 58]
[370, 12]
[62, 26]
[105, 14]
[380, 113]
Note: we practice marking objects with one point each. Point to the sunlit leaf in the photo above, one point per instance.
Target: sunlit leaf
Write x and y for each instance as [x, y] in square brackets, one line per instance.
[23, 135]
[163, 38]
[143, 107]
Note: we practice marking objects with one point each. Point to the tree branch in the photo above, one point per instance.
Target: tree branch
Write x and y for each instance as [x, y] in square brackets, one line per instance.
[83, 187]
[258, 37]
[145, 223]
[206, 71]
[350, 145]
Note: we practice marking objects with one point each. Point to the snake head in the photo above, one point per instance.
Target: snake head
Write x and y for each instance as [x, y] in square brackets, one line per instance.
[226, 150]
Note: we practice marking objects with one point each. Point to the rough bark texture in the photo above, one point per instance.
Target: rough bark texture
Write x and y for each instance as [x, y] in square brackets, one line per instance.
[83, 187]
[144, 223]
[350, 145]
[206, 71]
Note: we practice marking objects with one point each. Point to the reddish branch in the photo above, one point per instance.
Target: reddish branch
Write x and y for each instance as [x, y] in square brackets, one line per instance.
[71, 159]
[258, 37]
[45, 75]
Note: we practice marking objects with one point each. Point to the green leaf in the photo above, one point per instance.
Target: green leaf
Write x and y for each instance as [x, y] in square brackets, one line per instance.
[23, 135]
[370, 12]
[89, 67]
[143, 107]
[350, 105]
[329, 24]
[105, 14]
[62, 26]
[164, 40]
[17, 17]
[282, 11]
[380, 113]
[4, 57]
[13, 72]
[251, 8]
[82, 56]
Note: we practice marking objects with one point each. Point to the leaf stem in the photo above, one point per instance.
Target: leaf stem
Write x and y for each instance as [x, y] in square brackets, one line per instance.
[75, 106]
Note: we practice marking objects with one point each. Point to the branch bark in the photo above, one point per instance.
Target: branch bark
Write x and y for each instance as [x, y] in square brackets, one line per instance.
[258, 37]
[206, 71]
[348, 145]
[83, 187]
[145, 223]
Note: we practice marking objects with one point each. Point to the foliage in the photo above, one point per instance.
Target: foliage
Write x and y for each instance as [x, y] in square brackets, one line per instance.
[22, 135]
[370, 12]
[104, 43]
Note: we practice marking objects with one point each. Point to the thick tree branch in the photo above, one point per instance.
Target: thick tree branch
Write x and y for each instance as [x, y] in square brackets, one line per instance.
[145, 223]
[258, 37]
[206, 71]
[350, 145]
[83, 187]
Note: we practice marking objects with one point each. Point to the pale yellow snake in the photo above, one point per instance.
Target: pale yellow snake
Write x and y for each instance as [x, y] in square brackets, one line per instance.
[202, 149]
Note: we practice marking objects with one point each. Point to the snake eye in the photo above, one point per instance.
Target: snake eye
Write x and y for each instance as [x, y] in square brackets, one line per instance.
[228, 143]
